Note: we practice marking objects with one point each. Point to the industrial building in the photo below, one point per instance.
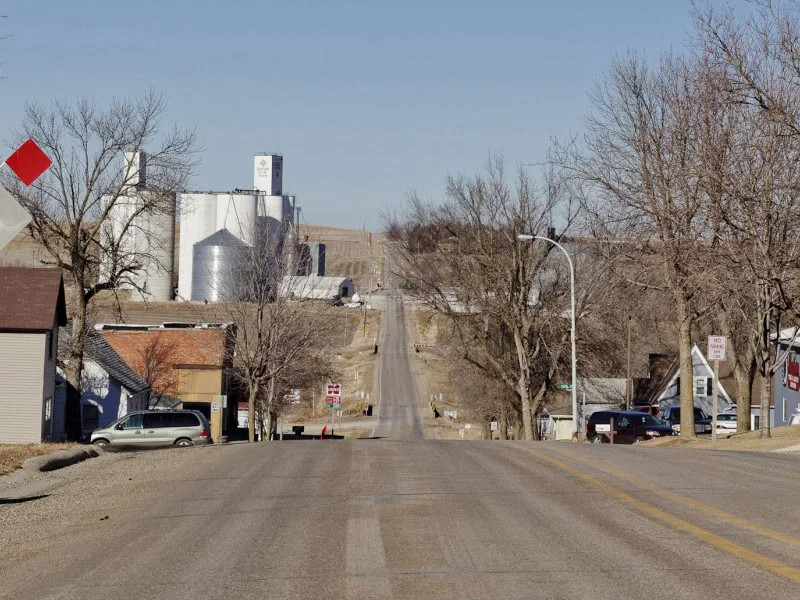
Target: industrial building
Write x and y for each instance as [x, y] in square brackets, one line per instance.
[218, 232]
[215, 227]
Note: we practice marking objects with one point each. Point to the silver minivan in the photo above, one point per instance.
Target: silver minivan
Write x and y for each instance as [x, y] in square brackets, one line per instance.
[149, 428]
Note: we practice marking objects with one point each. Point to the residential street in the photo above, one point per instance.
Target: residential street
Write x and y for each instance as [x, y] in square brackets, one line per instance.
[409, 519]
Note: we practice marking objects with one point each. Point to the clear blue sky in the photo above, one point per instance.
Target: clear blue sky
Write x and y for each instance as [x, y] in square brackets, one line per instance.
[365, 100]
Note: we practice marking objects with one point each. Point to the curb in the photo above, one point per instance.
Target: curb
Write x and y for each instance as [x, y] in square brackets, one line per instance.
[59, 460]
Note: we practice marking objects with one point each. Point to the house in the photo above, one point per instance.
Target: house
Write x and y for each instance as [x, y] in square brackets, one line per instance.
[32, 307]
[786, 381]
[187, 361]
[594, 393]
[109, 387]
[662, 386]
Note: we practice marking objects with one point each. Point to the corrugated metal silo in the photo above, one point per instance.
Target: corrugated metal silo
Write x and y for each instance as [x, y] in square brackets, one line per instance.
[218, 265]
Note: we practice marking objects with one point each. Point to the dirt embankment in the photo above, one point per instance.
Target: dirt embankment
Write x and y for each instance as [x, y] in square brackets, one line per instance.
[750, 441]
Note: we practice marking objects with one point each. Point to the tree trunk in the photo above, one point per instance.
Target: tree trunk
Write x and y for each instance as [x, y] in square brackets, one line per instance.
[74, 366]
[270, 410]
[251, 413]
[744, 381]
[523, 389]
[766, 400]
[503, 423]
[686, 371]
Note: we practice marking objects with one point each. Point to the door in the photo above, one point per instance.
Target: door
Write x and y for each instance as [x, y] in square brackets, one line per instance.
[158, 429]
[129, 432]
[624, 429]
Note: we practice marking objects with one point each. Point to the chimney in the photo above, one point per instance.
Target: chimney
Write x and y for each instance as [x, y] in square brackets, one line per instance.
[657, 365]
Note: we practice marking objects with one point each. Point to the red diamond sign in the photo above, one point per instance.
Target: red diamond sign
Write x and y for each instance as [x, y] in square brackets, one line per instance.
[28, 162]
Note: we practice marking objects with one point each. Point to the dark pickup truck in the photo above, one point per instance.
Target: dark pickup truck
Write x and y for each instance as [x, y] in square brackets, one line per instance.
[671, 415]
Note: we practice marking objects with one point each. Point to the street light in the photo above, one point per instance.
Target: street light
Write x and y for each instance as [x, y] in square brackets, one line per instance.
[528, 238]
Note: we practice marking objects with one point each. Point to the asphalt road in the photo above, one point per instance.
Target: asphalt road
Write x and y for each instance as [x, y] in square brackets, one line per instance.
[399, 416]
[410, 519]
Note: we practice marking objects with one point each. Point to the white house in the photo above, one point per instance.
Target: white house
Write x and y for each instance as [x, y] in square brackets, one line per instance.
[32, 307]
[702, 383]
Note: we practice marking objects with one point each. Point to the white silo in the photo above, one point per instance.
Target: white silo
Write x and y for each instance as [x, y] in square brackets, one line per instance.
[140, 246]
[236, 212]
[198, 221]
[203, 214]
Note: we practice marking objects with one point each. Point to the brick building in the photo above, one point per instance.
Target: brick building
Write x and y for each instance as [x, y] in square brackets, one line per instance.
[188, 361]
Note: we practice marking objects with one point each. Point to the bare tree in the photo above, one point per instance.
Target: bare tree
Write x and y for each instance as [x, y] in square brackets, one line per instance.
[156, 362]
[758, 180]
[506, 299]
[639, 160]
[72, 203]
[281, 342]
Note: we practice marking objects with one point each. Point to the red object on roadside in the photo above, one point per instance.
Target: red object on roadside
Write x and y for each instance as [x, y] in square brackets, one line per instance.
[324, 429]
[28, 162]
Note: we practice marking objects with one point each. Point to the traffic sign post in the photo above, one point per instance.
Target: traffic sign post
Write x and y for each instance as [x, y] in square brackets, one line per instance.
[333, 400]
[717, 348]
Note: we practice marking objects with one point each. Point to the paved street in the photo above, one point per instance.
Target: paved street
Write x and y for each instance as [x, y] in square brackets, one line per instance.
[419, 519]
[404, 517]
[399, 416]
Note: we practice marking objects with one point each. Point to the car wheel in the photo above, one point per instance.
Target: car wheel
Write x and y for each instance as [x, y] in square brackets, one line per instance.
[184, 443]
[638, 439]
[101, 443]
[598, 439]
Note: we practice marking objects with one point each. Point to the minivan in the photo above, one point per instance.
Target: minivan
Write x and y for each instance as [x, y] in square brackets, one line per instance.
[148, 428]
[630, 427]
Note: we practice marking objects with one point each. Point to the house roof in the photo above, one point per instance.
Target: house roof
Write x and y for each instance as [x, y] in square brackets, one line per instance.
[31, 300]
[101, 352]
[671, 375]
[98, 350]
[313, 286]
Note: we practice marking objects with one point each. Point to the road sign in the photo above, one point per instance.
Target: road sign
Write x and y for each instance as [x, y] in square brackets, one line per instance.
[565, 386]
[493, 425]
[13, 218]
[216, 407]
[333, 395]
[793, 376]
[717, 346]
[28, 162]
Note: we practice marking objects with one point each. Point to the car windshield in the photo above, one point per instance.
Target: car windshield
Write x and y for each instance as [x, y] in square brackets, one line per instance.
[646, 419]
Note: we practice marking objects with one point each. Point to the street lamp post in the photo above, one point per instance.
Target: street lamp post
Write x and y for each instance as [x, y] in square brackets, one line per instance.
[528, 238]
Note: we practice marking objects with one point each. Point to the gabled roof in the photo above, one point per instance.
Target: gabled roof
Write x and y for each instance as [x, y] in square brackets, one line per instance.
[101, 352]
[98, 350]
[671, 376]
[31, 300]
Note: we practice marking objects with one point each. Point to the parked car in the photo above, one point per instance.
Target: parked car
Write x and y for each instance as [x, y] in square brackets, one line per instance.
[671, 415]
[726, 423]
[150, 428]
[630, 427]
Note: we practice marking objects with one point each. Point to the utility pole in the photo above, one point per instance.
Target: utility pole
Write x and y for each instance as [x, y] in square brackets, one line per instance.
[628, 382]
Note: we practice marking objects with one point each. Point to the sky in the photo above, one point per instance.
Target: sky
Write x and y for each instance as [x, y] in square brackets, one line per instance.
[365, 100]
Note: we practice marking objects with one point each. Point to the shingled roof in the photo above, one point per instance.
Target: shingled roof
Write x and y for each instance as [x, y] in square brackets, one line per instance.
[31, 300]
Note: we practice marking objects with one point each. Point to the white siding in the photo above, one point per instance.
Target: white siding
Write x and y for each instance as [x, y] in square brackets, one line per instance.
[21, 386]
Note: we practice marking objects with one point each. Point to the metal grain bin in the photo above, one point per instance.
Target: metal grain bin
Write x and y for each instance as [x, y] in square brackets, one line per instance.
[218, 265]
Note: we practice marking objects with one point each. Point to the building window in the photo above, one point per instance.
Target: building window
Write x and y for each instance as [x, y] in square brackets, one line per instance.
[701, 385]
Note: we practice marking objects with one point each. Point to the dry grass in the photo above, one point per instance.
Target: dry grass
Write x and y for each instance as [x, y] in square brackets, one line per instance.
[782, 437]
[13, 455]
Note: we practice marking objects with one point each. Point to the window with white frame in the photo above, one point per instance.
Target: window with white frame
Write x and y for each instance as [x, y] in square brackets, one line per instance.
[701, 386]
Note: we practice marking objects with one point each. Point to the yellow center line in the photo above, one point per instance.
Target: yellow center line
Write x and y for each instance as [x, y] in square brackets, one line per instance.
[774, 566]
[702, 506]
